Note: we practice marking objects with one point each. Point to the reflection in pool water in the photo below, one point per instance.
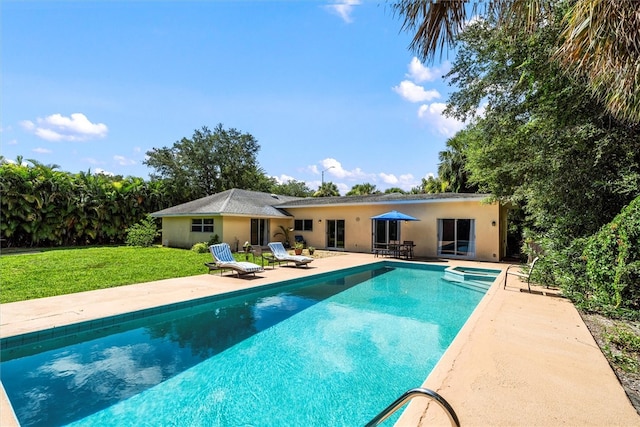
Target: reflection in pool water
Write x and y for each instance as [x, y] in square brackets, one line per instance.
[285, 355]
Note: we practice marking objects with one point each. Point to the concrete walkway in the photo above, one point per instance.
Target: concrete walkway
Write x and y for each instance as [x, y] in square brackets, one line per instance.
[521, 360]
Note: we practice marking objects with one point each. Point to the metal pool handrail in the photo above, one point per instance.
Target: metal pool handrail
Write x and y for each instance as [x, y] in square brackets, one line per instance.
[407, 396]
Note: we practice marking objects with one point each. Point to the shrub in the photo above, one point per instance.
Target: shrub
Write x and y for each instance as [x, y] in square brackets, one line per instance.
[214, 240]
[201, 247]
[600, 273]
[143, 233]
[613, 260]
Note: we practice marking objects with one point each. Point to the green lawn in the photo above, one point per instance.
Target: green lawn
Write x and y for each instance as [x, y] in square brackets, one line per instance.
[50, 272]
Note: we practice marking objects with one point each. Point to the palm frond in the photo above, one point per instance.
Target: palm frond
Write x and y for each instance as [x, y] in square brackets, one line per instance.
[602, 42]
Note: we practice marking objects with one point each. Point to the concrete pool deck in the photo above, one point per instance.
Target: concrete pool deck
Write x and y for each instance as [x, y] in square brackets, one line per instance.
[520, 360]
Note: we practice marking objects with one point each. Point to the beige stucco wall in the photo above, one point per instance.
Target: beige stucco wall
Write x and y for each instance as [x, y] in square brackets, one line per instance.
[235, 230]
[424, 233]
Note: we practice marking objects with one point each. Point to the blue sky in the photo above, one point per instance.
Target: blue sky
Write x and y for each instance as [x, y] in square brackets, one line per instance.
[94, 85]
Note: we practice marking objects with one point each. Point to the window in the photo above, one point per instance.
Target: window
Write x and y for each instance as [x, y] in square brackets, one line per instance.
[202, 225]
[303, 225]
[457, 238]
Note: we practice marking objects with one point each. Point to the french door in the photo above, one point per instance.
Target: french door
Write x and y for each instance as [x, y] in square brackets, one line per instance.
[456, 238]
[335, 234]
[259, 232]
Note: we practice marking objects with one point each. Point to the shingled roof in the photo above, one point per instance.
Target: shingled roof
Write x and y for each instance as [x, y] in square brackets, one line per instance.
[231, 202]
[373, 199]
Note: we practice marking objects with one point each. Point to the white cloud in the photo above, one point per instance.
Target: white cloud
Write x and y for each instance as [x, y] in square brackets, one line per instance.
[334, 167]
[57, 127]
[404, 181]
[100, 171]
[414, 93]
[42, 150]
[343, 9]
[419, 73]
[123, 161]
[390, 179]
[112, 367]
[283, 179]
[432, 114]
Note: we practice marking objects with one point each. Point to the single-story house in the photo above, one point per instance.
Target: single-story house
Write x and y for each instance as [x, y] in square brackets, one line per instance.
[446, 225]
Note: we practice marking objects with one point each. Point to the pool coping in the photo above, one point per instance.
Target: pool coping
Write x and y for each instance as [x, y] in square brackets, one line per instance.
[496, 371]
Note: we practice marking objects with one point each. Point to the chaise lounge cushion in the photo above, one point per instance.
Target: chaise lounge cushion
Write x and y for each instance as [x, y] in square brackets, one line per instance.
[224, 259]
[281, 254]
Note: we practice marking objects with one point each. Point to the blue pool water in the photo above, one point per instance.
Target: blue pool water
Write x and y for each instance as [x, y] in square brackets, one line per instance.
[334, 350]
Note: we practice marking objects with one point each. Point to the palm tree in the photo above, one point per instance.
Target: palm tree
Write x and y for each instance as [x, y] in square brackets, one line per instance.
[327, 189]
[451, 169]
[600, 41]
[363, 190]
[394, 190]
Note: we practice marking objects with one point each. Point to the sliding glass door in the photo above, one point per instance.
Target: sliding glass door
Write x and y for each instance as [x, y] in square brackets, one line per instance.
[335, 234]
[456, 238]
[385, 231]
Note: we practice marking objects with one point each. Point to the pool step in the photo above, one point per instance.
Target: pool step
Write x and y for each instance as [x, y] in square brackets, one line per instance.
[476, 285]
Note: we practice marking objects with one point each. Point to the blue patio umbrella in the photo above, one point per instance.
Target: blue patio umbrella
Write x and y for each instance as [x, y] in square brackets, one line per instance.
[394, 216]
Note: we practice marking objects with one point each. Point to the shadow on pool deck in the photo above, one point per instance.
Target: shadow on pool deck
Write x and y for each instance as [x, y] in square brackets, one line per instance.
[522, 359]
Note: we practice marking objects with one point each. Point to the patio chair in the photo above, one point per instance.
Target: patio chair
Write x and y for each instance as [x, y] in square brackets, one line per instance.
[524, 272]
[281, 254]
[406, 249]
[224, 259]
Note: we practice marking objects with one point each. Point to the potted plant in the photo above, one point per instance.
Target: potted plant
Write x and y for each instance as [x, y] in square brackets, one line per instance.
[311, 250]
[298, 248]
[285, 234]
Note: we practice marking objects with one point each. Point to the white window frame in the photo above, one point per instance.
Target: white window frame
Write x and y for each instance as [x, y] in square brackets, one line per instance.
[470, 252]
[202, 225]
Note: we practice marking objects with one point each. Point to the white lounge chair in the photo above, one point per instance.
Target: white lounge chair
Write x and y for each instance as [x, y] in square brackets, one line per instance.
[281, 254]
[524, 272]
[224, 259]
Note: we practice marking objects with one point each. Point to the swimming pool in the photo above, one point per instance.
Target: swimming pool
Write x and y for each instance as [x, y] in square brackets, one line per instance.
[330, 350]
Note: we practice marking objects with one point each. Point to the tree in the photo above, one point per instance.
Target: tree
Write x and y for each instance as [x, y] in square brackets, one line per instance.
[598, 39]
[394, 190]
[451, 170]
[208, 163]
[292, 188]
[327, 189]
[362, 190]
[431, 185]
[544, 143]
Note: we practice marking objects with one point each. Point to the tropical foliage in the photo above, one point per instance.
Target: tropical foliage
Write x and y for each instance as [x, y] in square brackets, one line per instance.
[452, 169]
[41, 206]
[597, 39]
[430, 185]
[394, 190]
[363, 190]
[327, 189]
[601, 272]
[544, 142]
[554, 150]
